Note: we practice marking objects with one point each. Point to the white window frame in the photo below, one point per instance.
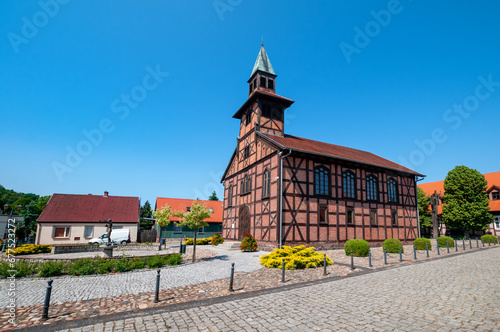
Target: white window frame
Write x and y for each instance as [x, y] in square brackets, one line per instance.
[496, 223]
[85, 232]
[202, 230]
[67, 232]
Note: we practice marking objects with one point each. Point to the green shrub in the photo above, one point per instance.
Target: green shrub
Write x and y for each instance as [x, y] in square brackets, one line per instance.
[137, 263]
[105, 265]
[156, 261]
[217, 239]
[174, 259]
[298, 257]
[248, 243]
[442, 241]
[199, 242]
[420, 243]
[122, 265]
[52, 268]
[18, 268]
[85, 266]
[359, 247]
[492, 238]
[392, 246]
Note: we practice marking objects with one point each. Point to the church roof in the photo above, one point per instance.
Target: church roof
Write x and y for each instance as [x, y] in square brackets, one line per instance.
[263, 63]
[304, 145]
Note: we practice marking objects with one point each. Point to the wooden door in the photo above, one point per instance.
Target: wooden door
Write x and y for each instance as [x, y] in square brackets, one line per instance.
[244, 222]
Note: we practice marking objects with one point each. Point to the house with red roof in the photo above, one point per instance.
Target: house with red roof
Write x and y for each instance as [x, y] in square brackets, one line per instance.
[285, 189]
[173, 231]
[75, 218]
[493, 191]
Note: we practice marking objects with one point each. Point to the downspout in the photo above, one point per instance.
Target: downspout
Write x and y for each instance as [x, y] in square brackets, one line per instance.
[416, 199]
[281, 193]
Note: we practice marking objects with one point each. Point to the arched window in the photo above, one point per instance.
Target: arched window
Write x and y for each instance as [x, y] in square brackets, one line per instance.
[371, 188]
[321, 183]
[392, 190]
[266, 183]
[349, 184]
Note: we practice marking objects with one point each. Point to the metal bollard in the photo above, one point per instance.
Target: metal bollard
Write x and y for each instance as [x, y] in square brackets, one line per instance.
[477, 242]
[385, 256]
[3, 245]
[448, 246]
[369, 258]
[437, 244]
[324, 265]
[482, 241]
[180, 248]
[489, 244]
[427, 249]
[157, 291]
[414, 253]
[470, 243]
[463, 243]
[231, 279]
[400, 255]
[283, 271]
[456, 245]
[352, 260]
[45, 314]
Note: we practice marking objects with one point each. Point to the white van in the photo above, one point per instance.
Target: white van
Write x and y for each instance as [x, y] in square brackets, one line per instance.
[121, 236]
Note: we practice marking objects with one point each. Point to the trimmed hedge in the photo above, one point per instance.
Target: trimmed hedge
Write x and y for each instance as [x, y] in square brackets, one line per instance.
[359, 247]
[442, 241]
[492, 238]
[298, 257]
[199, 242]
[392, 246]
[420, 242]
[29, 249]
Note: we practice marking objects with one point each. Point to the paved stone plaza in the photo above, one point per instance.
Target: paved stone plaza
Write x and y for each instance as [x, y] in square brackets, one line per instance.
[457, 293]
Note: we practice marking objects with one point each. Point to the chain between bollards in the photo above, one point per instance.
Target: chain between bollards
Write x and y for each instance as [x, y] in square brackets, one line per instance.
[352, 260]
[427, 249]
[231, 279]
[157, 290]
[369, 258]
[385, 256]
[45, 314]
[324, 265]
[400, 254]
[283, 270]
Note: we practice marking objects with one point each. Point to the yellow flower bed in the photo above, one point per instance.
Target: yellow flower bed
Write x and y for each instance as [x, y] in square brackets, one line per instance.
[298, 257]
[29, 249]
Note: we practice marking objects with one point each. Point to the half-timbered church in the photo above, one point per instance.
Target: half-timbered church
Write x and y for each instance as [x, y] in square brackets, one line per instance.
[285, 189]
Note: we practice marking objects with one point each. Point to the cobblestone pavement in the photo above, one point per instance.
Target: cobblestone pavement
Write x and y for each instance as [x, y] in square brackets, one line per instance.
[459, 293]
[31, 291]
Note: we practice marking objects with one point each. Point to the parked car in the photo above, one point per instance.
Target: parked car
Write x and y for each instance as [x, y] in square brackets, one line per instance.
[121, 236]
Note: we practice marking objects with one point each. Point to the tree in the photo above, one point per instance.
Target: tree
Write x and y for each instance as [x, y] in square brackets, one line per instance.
[146, 212]
[163, 217]
[465, 202]
[194, 220]
[213, 197]
[423, 210]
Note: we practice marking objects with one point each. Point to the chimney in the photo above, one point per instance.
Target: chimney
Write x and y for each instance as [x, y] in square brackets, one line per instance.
[106, 194]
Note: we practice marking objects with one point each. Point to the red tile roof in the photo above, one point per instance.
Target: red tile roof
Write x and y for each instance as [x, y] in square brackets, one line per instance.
[180, 204]
[335, 151]
[91, 208]
[493, 179]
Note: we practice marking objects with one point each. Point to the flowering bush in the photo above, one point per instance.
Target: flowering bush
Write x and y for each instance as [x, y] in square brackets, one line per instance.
[298, 257]
[248, 243]
[217, 239]
[199, 242]
[27, 249]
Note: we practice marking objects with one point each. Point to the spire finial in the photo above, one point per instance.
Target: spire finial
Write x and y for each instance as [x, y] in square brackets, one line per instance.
[262, 43]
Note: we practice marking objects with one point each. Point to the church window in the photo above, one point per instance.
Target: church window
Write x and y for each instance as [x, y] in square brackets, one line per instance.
[321, 184]
[248, 117]
[371, 188]
[246, 152]
[348, 184]
[266, 184]
[323, 214]
[392, 190]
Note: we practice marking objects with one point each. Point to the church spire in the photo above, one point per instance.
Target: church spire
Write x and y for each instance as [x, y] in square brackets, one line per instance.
[263, 76]
[263, 63]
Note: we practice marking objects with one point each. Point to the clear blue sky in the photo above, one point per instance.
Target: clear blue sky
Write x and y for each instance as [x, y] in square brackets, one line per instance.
[377, 76]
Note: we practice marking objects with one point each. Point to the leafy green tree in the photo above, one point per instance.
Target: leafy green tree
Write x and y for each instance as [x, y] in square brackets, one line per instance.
[163, 217]
[194, 220]
[465, 202]
[424, 212]
[213, 197]
[146, 212]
